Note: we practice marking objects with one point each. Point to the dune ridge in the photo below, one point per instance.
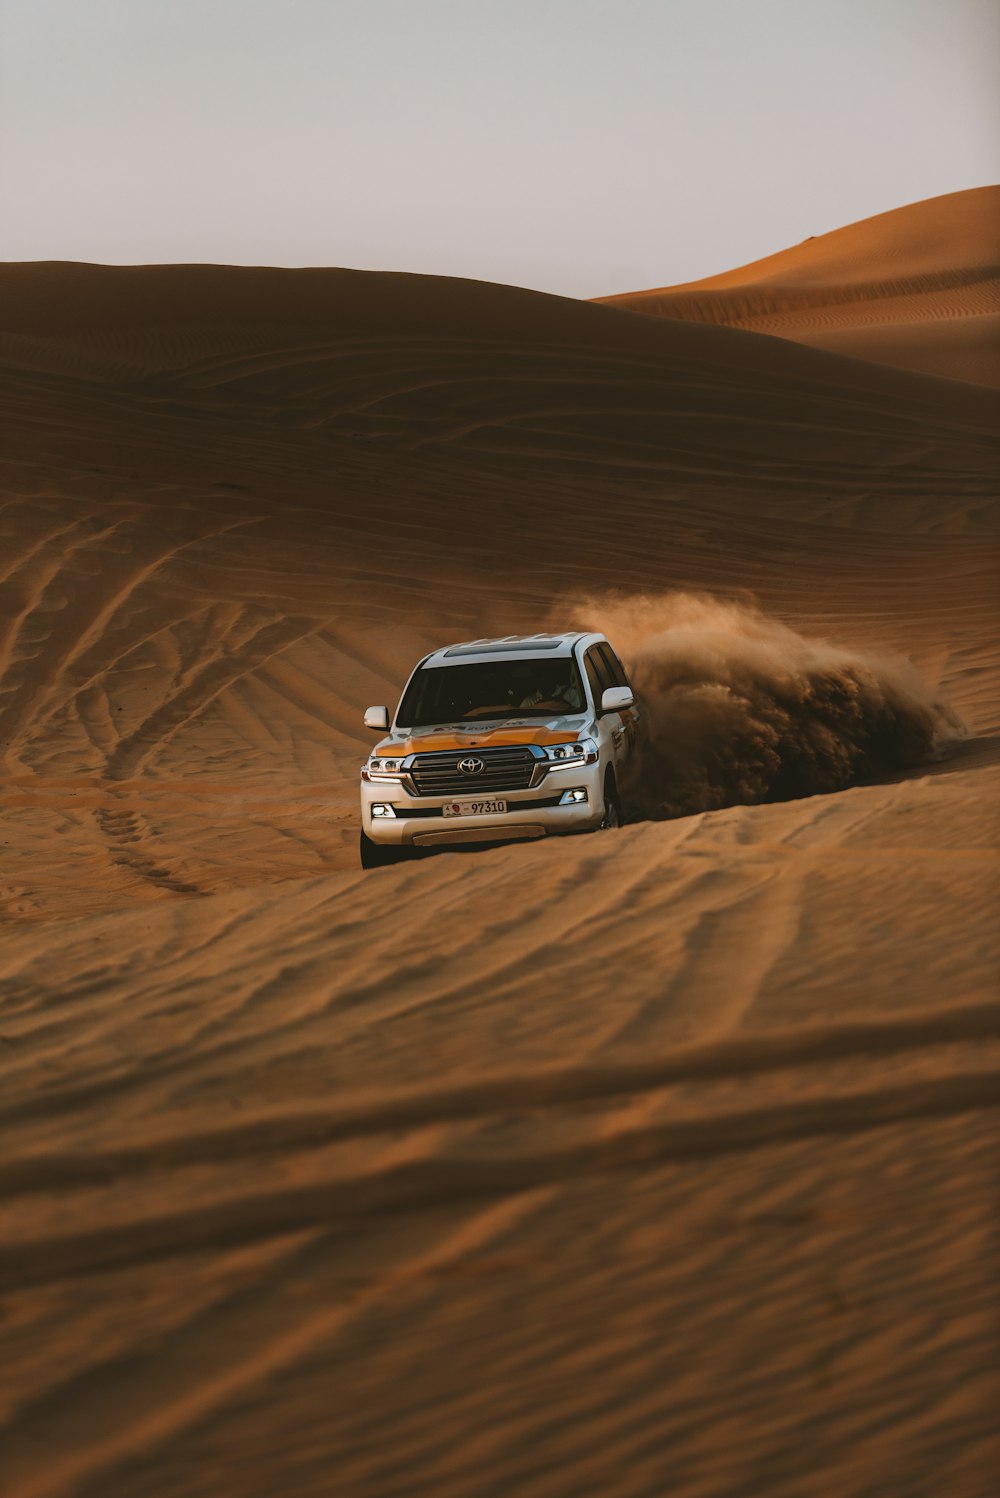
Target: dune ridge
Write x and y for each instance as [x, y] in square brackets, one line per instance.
[655, 1161]
[917, 288]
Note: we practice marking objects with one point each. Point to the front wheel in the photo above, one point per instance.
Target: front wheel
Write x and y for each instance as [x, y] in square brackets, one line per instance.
[378, 855]
[612, 807]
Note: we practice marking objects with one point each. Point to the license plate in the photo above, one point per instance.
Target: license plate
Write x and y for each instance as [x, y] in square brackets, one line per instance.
[489, 808]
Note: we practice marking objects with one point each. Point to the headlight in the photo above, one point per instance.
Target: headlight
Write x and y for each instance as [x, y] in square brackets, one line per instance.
[561, 756]
[380, 768]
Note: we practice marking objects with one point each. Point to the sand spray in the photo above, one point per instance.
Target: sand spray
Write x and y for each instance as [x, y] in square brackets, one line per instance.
[739, 708]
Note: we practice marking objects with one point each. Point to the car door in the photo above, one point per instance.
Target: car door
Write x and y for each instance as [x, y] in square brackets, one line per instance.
[611, 732]
[630, 716]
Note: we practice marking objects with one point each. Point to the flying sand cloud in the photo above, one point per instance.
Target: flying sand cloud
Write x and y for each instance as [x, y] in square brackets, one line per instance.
[739, 708]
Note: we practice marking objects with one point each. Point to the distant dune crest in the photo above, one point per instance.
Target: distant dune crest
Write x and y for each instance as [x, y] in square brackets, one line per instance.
[917, 288]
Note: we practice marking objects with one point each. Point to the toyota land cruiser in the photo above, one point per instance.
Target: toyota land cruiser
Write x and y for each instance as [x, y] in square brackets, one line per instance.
[498, 741]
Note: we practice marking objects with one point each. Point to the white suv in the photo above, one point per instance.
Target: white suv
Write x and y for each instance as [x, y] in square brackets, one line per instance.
[496, 741]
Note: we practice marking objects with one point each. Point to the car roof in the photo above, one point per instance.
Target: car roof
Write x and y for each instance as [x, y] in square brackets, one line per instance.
[510, 647]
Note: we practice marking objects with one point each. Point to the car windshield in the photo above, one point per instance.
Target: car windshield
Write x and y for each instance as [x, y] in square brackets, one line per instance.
[493, 689]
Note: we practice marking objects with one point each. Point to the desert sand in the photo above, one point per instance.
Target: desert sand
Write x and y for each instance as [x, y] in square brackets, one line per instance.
[662, 1161]
[917, 288]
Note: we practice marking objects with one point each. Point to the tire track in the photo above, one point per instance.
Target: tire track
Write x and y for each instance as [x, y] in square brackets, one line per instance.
[207, 684]
[252, 1345]
[121, 829]
[728, 952]
[91, 657]
[579, 1086]
[426, 1185]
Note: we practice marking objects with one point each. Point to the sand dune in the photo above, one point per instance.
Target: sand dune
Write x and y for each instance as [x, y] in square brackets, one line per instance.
[917, 288]
[659, 1161]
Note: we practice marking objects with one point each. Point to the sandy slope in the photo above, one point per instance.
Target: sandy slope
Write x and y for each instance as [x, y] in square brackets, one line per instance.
[656, 1162]
[917, 288]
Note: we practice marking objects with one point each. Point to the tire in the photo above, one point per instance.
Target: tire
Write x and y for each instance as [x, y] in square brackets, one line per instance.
[612, 806]
[379, 855]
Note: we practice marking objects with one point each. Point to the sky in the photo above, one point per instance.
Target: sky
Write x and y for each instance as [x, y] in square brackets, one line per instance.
[583, 147]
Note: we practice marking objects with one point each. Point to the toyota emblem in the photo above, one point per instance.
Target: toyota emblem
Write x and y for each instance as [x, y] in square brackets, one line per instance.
[471, 766]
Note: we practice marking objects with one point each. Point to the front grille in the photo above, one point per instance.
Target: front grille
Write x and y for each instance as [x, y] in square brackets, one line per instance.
[437, 774]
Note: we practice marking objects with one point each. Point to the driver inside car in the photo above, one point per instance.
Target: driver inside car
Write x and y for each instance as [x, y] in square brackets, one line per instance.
[562, 692]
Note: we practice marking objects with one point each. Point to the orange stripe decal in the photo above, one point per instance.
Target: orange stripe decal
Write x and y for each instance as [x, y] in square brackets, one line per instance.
[474, 738]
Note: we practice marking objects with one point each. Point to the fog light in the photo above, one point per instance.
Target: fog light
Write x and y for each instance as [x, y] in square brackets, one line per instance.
[573, 797]
[380, 809]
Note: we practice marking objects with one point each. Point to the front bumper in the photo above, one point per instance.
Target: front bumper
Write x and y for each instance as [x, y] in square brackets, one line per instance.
[418, 820]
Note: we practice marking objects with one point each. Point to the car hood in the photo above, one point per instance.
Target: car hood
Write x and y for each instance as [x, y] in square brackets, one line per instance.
[563, 730]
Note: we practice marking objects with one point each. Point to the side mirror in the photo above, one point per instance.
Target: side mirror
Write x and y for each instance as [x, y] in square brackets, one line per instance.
[616, 699]
[378, 717]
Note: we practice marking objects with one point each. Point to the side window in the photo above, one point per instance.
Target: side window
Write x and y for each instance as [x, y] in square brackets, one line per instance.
[597, 674]
[614, 667]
